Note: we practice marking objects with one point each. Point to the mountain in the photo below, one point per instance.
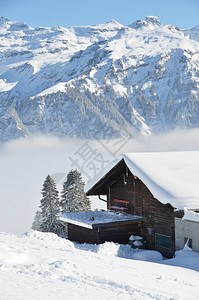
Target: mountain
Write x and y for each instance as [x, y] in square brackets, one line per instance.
[97, 81]
[193, 33]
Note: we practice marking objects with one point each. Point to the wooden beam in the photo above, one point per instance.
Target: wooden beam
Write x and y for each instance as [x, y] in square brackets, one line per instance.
[117, 223]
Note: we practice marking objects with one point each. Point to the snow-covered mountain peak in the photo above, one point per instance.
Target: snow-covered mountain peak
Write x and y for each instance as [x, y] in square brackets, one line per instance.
[114, 22]
[149, 22]
[153, 20]
[98, 32]
[193, 33]
[3, 19]
[13, 25]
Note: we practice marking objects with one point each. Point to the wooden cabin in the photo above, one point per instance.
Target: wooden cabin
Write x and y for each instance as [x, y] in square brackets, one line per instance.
[154, 186]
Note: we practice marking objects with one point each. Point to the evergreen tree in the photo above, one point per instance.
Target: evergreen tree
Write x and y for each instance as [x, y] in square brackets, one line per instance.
[73, 197]
[50, 207]
[37, 221]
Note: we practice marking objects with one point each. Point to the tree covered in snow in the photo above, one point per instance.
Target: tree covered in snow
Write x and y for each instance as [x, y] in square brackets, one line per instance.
[50, 207]
[37, 221]
[73, 197]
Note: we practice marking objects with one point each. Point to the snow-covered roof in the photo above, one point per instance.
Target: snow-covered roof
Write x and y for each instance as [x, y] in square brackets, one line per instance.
[91, 219]
[191, 216]
[172, 177]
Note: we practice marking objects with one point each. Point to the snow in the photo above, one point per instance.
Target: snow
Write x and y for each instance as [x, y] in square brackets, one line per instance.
[190, 215]
[60, 87]
[174, 180]
[120, 89]
[39, 265]
[138, 244]
[5, 86]
[89, 218]
[135, 238]
[185, 258]
[147, 255]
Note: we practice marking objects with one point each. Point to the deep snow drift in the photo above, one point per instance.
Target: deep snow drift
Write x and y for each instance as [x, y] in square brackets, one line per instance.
[43, 266]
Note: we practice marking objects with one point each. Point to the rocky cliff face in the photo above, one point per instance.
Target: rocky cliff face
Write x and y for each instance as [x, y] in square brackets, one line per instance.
[83, 81]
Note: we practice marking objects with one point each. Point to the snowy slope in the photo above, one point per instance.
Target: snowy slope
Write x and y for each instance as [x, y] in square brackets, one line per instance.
[77, 81]
[42, 266]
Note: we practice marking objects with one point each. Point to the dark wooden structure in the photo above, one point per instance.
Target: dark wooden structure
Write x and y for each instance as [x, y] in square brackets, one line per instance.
[157, 225]
[100, 233]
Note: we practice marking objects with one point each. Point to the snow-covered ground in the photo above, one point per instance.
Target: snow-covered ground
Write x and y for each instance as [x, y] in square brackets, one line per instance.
[39, 265]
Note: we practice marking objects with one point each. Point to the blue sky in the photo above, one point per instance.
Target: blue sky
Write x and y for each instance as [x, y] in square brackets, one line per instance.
[182, 13]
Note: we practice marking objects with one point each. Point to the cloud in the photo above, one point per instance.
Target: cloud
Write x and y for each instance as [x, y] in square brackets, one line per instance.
[179, 140]
[25, 163]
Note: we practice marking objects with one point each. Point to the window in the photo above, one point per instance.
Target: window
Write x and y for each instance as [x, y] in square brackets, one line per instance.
[163, 240]
[188, 242]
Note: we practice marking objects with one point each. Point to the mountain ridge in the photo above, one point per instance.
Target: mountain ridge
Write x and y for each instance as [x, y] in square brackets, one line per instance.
[76, 81]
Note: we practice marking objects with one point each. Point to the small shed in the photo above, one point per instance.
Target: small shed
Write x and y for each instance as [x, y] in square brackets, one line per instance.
[96, 227]
[187, 231]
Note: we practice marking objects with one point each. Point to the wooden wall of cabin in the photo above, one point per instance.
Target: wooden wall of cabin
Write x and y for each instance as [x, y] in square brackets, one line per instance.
[158, 218]
[118, 234]
[82, 234]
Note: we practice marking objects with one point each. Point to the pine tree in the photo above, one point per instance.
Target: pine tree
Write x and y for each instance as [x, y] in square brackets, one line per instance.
[37, 221]
[50, 207]
[73, 197]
